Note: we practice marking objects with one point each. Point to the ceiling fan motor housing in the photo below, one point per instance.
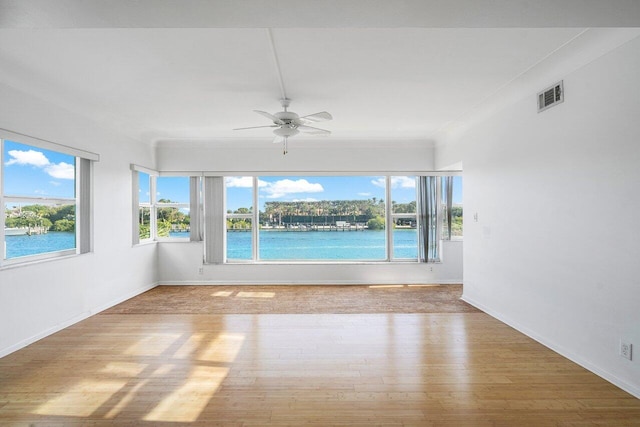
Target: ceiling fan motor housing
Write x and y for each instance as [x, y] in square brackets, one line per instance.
[286, 116]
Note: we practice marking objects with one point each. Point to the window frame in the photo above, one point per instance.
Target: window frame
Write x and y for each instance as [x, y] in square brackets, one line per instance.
[153, 205]
[159, 205]
[82, 200]
[389, 216]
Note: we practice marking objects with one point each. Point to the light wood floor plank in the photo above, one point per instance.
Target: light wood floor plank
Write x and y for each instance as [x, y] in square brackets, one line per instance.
[381, 369]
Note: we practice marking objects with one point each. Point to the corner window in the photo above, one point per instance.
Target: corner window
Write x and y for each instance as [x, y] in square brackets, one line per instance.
[144, 206]
[172, 207]
[161, 207]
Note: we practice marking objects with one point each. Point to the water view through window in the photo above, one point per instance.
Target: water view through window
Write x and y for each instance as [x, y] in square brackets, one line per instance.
[320, 218]
[39, 200]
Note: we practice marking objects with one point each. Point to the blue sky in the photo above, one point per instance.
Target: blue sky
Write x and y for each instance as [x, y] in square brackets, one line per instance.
[311, 188]
[35, 172]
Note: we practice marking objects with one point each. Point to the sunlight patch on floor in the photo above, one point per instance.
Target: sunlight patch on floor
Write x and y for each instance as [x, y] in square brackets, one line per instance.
[222, 294]
[152, 345]
[125, 401]
[81, 400]
[256, 294]
[224, 348]
[123, 369]
[191, 345]
[187, 402]
[385, 286]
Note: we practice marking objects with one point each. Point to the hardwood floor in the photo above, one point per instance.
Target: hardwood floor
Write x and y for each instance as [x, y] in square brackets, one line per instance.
[391, 369]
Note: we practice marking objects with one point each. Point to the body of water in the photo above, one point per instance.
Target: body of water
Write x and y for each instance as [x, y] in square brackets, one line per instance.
[323, 245]
[19, 246]
[274, 245]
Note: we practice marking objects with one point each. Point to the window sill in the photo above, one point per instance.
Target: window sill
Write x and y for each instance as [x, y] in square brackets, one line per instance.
[144, 243]
[16, 263]
[320, 262]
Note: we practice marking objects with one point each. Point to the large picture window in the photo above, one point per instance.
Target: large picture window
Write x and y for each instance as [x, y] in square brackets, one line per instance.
[325, 218]
[40, 196]
[321, 218]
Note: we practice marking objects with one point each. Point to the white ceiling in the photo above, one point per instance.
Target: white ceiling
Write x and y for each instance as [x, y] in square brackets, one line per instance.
[184, 83]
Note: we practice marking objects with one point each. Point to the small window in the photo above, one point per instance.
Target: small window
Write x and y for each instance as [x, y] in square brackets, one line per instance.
[452, 201]
[172, 207]
[404, 217]
[144, 206]
[163, 206]
[239, 217]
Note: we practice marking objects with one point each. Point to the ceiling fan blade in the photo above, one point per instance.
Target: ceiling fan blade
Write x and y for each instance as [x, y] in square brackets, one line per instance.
[257, 127]
[317, 117]
[270, 116]
[313, 131]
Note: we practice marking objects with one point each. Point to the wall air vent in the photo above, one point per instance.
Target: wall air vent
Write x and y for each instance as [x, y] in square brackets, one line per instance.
[551, 96]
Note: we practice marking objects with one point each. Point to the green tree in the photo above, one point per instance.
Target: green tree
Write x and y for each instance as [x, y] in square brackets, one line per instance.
[64, 225]
[376, 223]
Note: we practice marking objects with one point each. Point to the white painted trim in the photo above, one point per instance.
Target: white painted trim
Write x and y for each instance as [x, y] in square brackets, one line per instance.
[576, 358]
[47, 145]
[144, 169]
[301, 282]
[82, 316]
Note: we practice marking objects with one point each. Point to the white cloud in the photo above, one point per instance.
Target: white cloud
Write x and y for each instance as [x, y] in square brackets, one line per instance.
[239, 181]
[364, 194]
[379, 182]
[287, 186]
[403, 182]
[61, 170]
[243, 182]
[396, 181]
[35, 158]
[31, 157]
[55, 183]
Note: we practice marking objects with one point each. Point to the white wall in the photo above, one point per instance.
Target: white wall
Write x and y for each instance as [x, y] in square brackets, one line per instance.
[179, 262]
[305, 155]
[555, 249]
[39, 299]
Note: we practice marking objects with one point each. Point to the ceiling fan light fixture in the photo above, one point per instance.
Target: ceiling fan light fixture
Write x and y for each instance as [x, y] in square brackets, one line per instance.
[286, 131]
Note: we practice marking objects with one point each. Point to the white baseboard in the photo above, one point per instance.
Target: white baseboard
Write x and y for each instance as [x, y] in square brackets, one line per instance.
[615, 380]
[119, 300]
[301, 282]
[80, 317]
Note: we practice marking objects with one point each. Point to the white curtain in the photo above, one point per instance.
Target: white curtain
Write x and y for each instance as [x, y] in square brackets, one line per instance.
[428, 219]
[84, 205]
[448, 191]
[195, 210]
[214, 220]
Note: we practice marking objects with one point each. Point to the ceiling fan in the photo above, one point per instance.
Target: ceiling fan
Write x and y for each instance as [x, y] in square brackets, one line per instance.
[289, 124]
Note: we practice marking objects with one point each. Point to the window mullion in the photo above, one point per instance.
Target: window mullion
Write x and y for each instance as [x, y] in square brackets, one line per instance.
[153, 211]
[255, 232]
[388, 220]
